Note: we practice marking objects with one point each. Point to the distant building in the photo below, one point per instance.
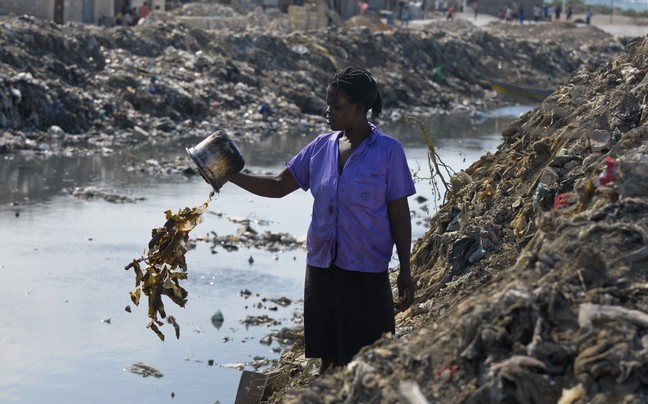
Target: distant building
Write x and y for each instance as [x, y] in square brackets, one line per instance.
[154, 5]
[62, 11]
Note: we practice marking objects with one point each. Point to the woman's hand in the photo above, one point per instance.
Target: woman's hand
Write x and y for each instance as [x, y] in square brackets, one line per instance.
[406, 290]
[399, 220]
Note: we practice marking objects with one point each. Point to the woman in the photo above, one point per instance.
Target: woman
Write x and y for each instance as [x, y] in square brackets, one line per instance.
[360, 182]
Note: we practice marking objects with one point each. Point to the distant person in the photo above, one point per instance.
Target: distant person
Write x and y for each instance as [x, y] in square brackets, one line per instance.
[508, 14]
[451, 13]
[558, 10]
[569, 13]
[128, 18]
[521, 15]
[514, 10]
[119, 18]
[588, 16]
[360, 181]
[405, 15]
[126, 7]
[364, 7]
[475, 7]
[135, 15]
[265, 111]
[536, 12]
[144, 10]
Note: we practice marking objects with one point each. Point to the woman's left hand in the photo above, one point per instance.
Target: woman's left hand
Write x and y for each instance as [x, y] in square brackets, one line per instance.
[406, 289]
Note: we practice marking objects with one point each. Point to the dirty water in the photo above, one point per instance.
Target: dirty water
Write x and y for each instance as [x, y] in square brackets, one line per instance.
[64, 333]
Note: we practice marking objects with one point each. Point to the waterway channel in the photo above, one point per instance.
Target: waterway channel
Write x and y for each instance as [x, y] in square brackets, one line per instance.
[64, 333]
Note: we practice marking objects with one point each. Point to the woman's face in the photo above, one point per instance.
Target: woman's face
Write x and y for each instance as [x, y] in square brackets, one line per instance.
[341, 113]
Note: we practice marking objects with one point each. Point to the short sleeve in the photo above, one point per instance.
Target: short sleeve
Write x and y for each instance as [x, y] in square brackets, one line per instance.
[399, 178]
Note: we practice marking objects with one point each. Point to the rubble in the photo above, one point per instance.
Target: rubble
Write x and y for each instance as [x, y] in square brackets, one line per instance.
[144, 370]
[77, 86]
[556, 309]
[108, 195]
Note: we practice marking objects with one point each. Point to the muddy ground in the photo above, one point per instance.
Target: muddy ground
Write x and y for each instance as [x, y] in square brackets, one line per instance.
[532, 281]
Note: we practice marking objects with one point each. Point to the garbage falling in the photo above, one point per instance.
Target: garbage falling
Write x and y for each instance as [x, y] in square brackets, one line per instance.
[164, 266]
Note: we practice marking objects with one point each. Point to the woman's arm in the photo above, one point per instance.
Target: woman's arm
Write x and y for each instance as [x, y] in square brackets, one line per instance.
[271, 186]
[401, 228]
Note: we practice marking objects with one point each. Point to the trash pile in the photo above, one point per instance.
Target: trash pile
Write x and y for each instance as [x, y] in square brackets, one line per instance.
[65, 89]
[532, 279]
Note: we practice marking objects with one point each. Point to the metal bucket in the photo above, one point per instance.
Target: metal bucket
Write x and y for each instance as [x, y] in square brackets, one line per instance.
[217, 158]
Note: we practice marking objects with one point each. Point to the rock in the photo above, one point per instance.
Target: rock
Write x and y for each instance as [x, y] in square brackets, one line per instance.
[633, 181]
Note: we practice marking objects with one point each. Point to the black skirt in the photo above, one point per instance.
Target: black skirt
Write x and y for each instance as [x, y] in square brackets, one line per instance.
[344, 311]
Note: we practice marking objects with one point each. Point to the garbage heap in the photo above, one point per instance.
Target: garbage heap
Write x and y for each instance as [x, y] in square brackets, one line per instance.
[532, 279]
[62, 87]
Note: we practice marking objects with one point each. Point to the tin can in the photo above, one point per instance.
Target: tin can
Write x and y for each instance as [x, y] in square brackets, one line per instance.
[217, 158]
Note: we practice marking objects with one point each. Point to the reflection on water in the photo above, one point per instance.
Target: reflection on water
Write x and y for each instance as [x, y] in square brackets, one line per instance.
[30, 179]
[455, 127]
[64, 334]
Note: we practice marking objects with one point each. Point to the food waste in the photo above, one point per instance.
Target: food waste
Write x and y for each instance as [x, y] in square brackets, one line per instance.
[159, 272]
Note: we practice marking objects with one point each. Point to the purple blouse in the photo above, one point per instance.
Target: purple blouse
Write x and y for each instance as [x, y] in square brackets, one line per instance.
[349, 220]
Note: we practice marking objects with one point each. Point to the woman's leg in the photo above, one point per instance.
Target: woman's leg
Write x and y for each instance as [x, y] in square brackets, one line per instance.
[327, 365]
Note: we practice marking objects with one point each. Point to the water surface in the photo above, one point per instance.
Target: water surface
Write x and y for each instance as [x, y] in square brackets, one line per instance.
[64, 334]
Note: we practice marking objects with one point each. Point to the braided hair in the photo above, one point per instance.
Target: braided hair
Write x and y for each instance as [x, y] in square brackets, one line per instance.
[359, 86]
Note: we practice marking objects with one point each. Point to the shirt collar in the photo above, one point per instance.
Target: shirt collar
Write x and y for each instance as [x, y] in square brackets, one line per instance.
[372, 135]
